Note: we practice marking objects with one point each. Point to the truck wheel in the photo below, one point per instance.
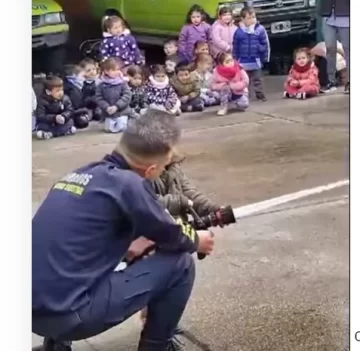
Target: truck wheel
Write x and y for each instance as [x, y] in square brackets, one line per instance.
[55, 59]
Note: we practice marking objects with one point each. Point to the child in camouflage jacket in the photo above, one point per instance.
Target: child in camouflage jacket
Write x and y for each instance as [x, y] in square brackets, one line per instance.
[177, 193]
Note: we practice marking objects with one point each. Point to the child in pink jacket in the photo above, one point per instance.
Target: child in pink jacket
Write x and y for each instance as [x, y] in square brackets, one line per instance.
[232, 82]
[222, 32]
[303, 81]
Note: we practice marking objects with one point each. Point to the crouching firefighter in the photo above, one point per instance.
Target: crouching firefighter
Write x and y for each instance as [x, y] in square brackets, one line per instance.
[91, 219]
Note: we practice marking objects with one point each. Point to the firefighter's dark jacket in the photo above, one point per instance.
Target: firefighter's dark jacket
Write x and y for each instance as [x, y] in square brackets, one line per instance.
[84, 228]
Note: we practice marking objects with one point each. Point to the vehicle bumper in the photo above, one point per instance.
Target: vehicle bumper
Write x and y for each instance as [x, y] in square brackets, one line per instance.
[302, 22]
[43, 41]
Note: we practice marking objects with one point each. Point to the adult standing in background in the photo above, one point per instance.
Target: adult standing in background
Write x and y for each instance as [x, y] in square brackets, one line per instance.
[336, 26]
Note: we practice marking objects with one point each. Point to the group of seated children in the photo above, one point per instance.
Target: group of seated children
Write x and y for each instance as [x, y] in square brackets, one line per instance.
[188, 81]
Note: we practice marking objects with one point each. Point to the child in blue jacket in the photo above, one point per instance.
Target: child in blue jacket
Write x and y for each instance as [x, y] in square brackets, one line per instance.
[251, 48]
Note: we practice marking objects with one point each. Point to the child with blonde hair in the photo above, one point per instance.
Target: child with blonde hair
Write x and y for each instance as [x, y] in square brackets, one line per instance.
[203, 75]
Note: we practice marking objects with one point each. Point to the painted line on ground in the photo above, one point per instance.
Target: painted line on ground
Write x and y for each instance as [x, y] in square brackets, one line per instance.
[255, 208]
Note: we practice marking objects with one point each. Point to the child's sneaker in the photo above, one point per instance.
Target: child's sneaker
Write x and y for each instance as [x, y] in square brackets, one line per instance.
[71, 131]
[186, 108]
[347, 88]
[223, 111]
[198, 108]
[289, 96]
[41, 135]
[301, 96]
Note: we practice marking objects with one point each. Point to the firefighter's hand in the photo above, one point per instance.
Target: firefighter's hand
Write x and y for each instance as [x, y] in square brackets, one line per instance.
[206, 241]
[138, 247]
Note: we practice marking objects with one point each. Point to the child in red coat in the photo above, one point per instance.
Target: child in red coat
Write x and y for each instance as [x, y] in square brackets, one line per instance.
[231, 81]
[303, 81]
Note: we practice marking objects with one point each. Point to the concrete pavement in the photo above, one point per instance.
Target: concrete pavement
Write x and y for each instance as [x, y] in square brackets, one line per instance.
[278, 280]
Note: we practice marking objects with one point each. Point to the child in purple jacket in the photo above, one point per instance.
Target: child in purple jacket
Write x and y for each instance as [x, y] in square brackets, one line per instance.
[195, 29]
[120, 44]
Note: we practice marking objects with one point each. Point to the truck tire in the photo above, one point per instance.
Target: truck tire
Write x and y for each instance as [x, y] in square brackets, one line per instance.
[48, 60]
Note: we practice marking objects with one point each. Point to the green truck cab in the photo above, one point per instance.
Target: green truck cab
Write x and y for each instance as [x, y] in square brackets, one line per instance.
[49, 32]
[152, 20]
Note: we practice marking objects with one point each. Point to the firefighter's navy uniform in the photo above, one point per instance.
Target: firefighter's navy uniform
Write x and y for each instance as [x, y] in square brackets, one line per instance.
[79, 234]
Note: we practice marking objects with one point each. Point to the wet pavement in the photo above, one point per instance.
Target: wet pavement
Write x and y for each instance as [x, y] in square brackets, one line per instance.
[278, 281]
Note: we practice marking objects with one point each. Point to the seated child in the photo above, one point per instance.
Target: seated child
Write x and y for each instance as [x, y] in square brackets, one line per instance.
[196, 29]
[89, 87]
[203, 75]
[34, 104]
[138, 102]
[159, 93]
[187, 89]
[303, 81]
[113, 96]
[119, 44]
[201, 47]
[73, 88]
[172, 58]
[231, 81]
[54, 111]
